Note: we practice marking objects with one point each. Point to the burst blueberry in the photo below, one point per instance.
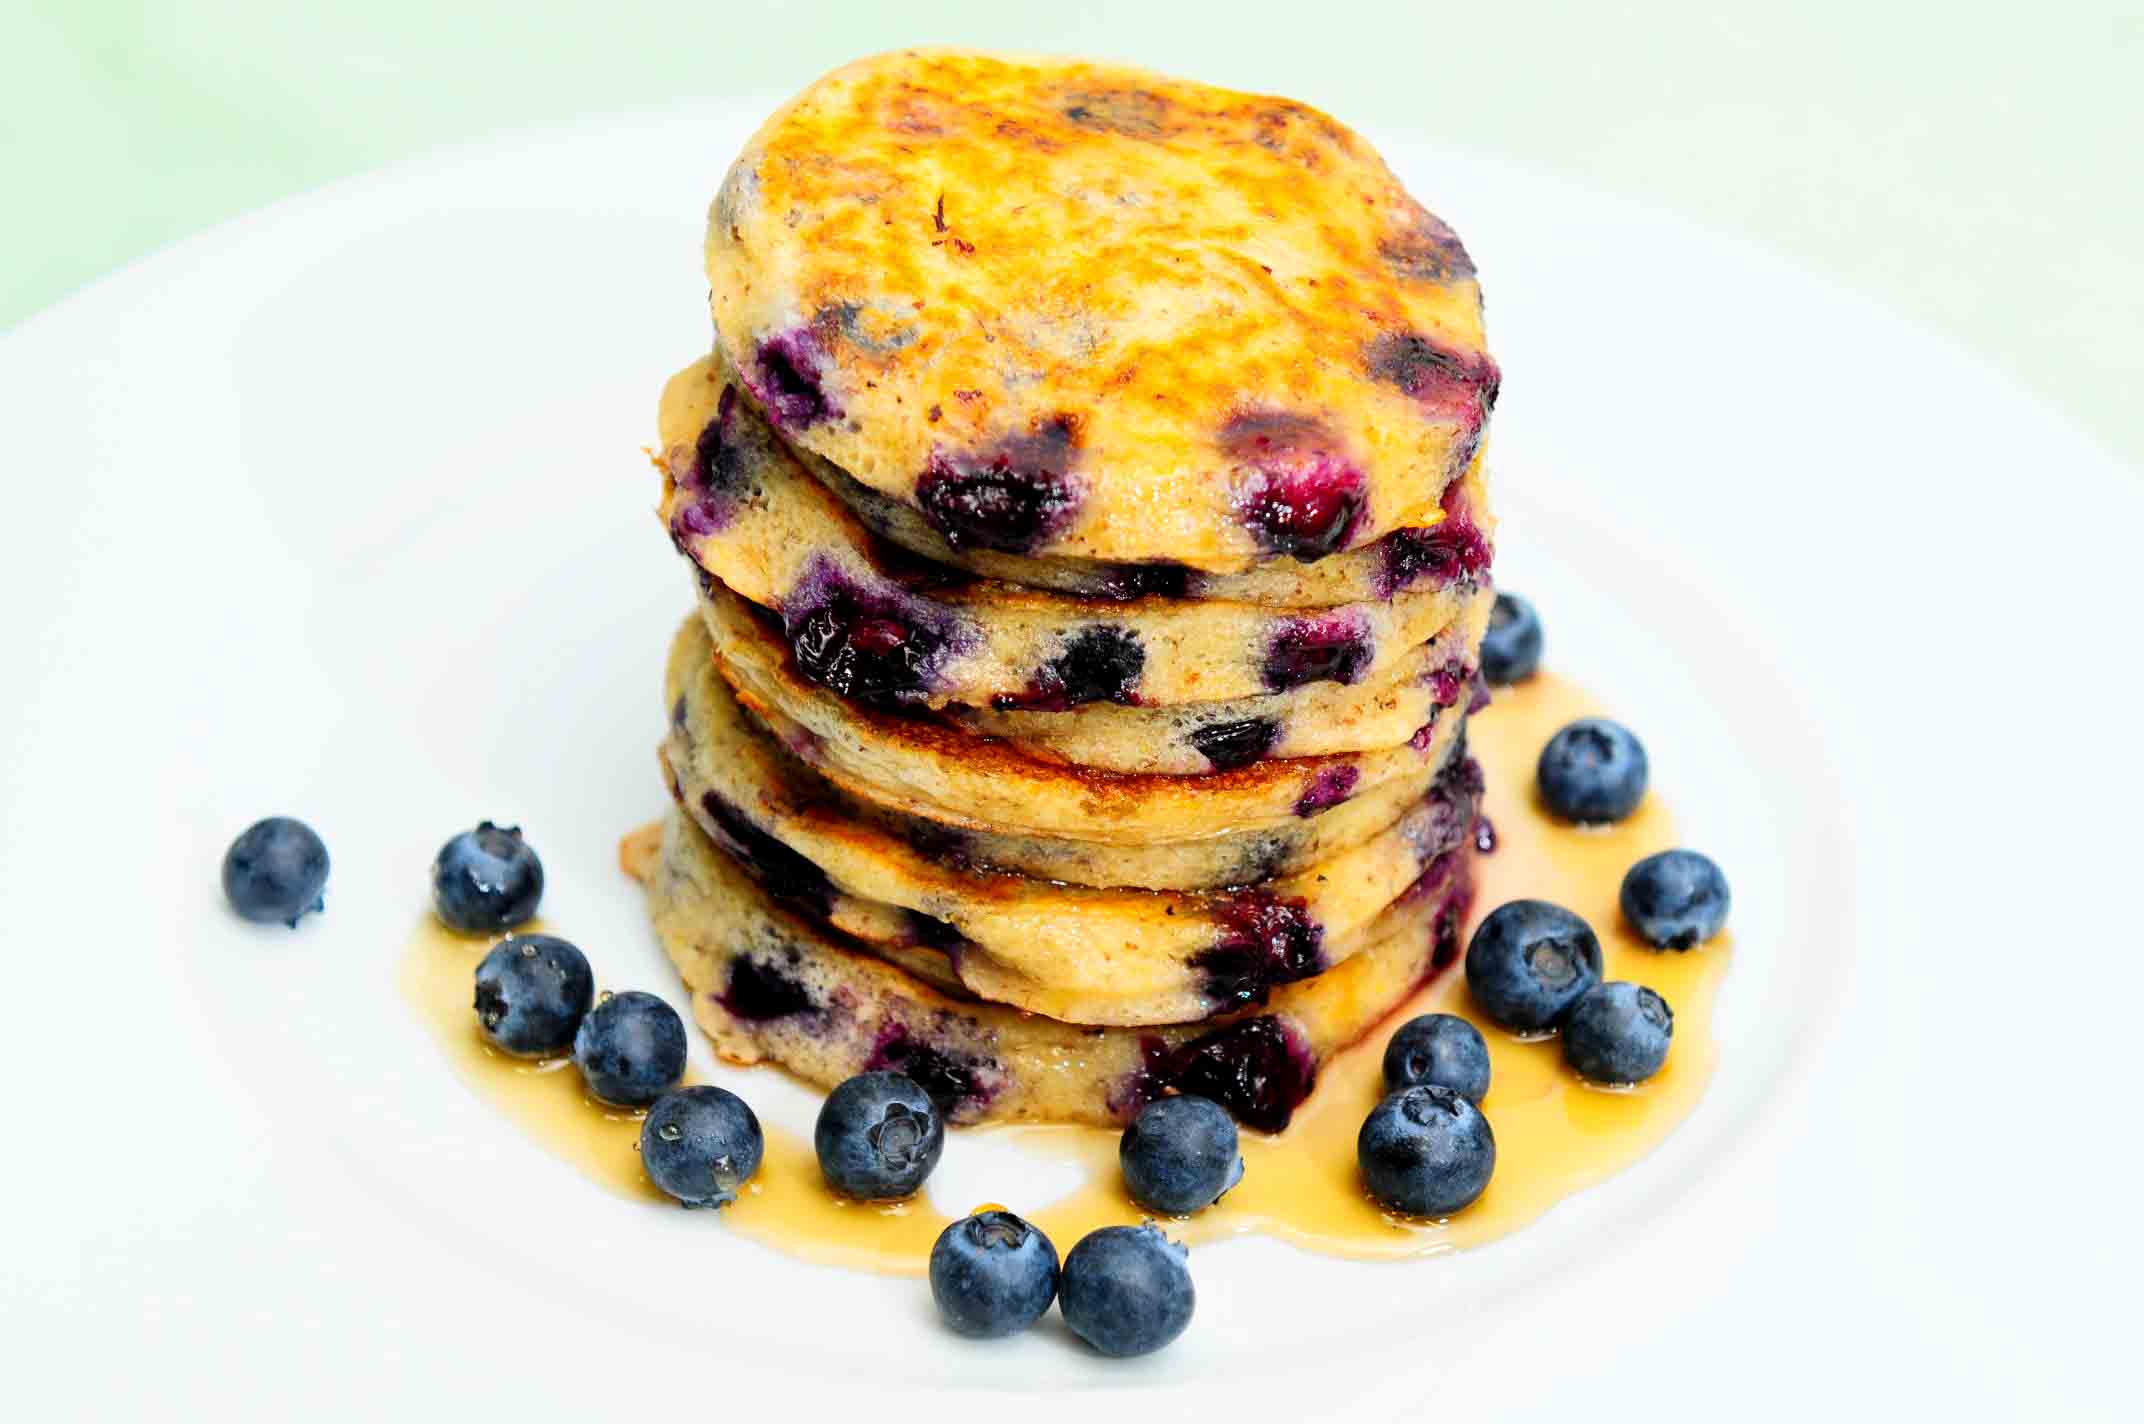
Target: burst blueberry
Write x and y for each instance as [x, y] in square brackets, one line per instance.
[275, 871]
[1440, 1050]
[1100, 663]
[531, 993]
[1126, 1290]
[1592, 772]
[1333, 648]
[1229, 745]
[1676, 899]
[630, 1049]
[1511, 646]
[1618, 1033]
[1011, 498]
[878, 1137]
[1529, 961]
[701, 1145]
[1259, 1069]
[992, 1275]
[1180, 1155]
[1426, 1151]
[487, 879]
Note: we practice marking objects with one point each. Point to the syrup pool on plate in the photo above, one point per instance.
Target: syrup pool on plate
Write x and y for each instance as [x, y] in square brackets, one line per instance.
[1555, 1135]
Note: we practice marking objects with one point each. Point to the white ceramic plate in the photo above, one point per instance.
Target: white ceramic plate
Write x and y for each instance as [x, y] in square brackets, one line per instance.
[339, 511]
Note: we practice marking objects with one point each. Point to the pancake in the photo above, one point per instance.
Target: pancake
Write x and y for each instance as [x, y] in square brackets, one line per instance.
[1067, 309]
[921, 767]
[768, 986]
[1122, 955]
[741, 506]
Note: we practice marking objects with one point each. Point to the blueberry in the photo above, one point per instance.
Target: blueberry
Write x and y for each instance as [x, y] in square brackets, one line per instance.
[1332, 648]
[1528, 963]
[1228, 745]
[631, 1049]
[275, 870]
[1012, 498]
[1675, 899]
[1618, 1033]
[701, 1144]
[1592, 772]
[1426, 1151]
[1265, 941]
[1260, 1070]
[1442, 1050]
[1126, 1291]
[878, 646]
[992, 1275]
[531, 991]
[1180, 1155]
[1445, 552]
[1100, 663]
[878, 1136]
[758, 992]
[487, 879]
[1511, 648]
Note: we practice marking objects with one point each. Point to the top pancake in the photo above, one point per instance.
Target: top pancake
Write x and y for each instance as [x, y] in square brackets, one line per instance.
[1084, 311]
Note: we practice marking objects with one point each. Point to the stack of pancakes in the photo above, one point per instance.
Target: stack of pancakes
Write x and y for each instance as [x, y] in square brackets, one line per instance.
[1084, 493]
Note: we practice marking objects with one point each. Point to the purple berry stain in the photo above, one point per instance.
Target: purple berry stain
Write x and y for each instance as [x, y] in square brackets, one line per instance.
[1300, 495]
[713, 479]
[1333, 647]
[1450, 387]
[788, 379]
[1327, 789]
[1013, 498]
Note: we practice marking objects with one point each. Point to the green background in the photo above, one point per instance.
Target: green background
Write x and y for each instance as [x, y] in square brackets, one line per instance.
[1974, 166]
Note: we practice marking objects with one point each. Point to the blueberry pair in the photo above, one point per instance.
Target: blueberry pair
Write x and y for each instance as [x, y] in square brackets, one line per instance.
[1125, 1290]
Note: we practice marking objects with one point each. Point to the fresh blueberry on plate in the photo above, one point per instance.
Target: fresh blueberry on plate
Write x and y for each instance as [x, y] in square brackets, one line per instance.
[1618, 1034]
[531, 993]
[1592, 772]
[630, 1049]
[992, 1275]
[1511, 645]
[1529, 961]
[275, 870]
[486, 879]
[1180, 1155]
[1126, 1291]
[878, 1136]
[1439, 1049]
[1675, 900]
[1426, 1151]
[701, 1144]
